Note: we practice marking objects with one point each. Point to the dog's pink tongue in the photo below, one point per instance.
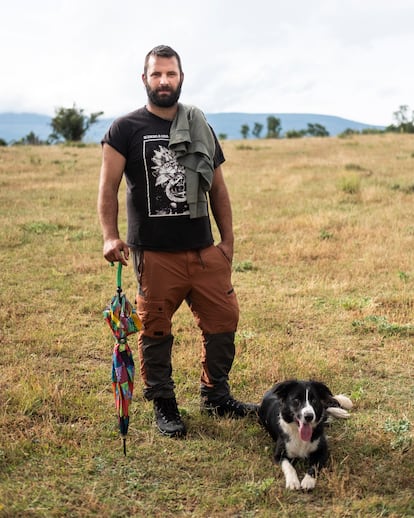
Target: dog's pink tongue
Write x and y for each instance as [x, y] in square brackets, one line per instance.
[305, 431]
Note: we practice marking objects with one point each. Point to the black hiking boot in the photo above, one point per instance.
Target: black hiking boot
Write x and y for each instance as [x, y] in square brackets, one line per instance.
[167, 417]
[229, 407]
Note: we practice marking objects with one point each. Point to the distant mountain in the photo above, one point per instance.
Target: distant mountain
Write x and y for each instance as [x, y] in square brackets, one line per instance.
[15, 126]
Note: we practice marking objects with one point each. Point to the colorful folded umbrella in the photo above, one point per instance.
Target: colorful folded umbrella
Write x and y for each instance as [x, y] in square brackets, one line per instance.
[123, 321]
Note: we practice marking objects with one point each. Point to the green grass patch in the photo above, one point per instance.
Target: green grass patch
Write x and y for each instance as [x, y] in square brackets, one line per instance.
[323, 274]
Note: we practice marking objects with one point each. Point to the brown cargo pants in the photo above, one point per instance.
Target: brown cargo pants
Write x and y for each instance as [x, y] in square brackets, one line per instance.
[203, 279]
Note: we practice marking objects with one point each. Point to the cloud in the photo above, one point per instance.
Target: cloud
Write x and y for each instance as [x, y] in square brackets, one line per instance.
[350, 59]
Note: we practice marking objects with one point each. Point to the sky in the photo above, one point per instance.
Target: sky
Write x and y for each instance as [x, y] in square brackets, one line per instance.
[347, 58]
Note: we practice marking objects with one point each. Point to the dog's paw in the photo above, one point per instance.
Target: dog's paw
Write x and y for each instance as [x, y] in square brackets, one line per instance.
[293, 483]
[291, 477]
[344, 401]
[308, 483]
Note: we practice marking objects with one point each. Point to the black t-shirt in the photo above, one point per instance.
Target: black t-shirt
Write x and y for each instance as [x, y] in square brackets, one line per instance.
[157, 209]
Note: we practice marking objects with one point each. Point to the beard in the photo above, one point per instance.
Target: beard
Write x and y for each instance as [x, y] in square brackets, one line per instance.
[159, 97]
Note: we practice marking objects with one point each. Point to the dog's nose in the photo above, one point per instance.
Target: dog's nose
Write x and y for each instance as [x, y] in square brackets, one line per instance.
[308, 417]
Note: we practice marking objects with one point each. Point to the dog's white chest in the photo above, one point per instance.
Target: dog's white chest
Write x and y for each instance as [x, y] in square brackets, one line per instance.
[295, 447]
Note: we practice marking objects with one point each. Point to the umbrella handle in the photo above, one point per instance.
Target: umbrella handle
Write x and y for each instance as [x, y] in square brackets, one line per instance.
[118, 277]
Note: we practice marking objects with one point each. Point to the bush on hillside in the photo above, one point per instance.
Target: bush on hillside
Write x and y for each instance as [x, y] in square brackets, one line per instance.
[71, 124]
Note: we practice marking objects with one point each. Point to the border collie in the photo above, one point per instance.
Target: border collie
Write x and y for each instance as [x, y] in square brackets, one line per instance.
[294, 413]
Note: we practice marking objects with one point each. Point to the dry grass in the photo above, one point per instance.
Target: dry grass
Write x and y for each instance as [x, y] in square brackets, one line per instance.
[324, 274]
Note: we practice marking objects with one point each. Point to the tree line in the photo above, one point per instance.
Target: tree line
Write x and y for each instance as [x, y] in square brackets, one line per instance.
[404, 123]
[274, 130]
[71, 125]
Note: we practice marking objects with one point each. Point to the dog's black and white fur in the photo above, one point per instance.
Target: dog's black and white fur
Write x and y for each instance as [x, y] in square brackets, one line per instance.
[294, 413]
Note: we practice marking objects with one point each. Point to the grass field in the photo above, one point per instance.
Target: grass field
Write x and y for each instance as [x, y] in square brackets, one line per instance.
[324, 272]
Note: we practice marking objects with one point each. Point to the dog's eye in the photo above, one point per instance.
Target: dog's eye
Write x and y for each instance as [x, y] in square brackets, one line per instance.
[296, 402]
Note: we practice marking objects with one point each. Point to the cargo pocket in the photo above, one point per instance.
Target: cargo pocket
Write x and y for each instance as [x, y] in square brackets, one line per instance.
[156, 320]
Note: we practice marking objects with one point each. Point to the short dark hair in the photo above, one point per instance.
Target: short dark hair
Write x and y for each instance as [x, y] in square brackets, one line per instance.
[162, 51]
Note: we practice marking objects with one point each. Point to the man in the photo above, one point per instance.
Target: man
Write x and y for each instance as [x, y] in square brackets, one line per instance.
[171, 159]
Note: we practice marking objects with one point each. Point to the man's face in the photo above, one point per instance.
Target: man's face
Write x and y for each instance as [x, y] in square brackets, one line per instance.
[163, 81]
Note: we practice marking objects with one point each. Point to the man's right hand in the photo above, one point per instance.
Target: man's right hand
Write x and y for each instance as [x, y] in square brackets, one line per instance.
[116, 250]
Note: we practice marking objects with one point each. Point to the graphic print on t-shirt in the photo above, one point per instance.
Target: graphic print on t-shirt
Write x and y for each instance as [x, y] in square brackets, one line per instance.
[166, 186]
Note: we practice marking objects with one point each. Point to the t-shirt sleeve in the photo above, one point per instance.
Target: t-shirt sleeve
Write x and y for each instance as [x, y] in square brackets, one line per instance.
[218, 155]
[117, 137]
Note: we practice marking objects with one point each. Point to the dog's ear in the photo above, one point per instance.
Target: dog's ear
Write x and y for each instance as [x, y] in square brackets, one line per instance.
[282, 389]
[323, 392]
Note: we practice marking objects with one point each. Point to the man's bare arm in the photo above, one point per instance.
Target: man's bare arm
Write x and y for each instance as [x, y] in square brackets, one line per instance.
[221, 208]
[112, 169]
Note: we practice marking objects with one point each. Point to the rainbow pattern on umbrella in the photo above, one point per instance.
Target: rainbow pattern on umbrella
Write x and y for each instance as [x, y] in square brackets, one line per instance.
[123, 321]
